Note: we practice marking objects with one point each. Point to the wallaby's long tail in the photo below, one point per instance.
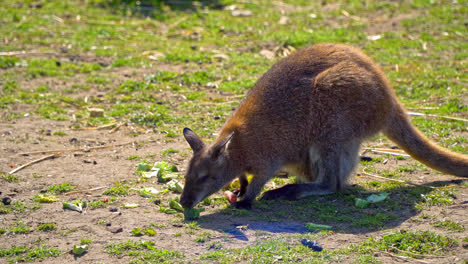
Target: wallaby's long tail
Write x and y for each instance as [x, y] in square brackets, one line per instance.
[400, 130]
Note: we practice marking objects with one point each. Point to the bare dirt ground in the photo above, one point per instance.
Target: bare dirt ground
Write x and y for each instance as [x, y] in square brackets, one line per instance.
[103, 167]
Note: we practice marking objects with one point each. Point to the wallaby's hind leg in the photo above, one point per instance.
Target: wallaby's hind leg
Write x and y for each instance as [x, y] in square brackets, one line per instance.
[334, 167]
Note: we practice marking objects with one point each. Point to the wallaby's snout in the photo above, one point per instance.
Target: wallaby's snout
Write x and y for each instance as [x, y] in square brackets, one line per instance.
[186, 202]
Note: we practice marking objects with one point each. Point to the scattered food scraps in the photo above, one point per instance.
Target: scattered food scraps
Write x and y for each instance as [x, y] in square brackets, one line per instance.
[130, 205]
[79, 250]
[174, 204]
[232, 198]
[192, 213]
[374, 198]
[75, 206]
[175, 186]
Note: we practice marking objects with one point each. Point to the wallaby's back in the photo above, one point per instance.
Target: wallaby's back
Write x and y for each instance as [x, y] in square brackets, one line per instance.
[310, 112]
[323, 96]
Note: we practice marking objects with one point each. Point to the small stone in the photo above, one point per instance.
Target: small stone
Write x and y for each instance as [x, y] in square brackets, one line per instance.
[116, 229]
[73, 140]
[96, 112]
[6, 200]
[35, 5]
[87, 161]
[267, 54]
[157, 202]
[94, 162]
[366, 158]
[108, 224]
[113, 209]
[283, 20]
[312, 244]
[241, 13]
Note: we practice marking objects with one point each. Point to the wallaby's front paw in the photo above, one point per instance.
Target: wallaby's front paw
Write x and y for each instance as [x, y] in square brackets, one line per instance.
[243, 205]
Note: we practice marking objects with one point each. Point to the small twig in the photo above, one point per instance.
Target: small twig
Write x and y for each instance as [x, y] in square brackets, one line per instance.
[386, 150]
[23, 52]
[99, 127]
[390, 153]
[415, 254]
[117, 127]
[35, 161]
[388, 179]
[438, 116]
[409, 259]
[74, 149]
[86, 191]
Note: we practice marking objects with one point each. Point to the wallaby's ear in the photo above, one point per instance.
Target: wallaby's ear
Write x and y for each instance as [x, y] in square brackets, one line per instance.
[219, 147]
[194, 141]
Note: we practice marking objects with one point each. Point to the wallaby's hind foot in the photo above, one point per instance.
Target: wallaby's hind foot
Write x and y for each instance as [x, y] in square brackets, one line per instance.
[297, 191]
[244, 204]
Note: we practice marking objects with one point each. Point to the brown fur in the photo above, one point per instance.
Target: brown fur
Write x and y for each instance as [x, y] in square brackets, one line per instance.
[310, 111]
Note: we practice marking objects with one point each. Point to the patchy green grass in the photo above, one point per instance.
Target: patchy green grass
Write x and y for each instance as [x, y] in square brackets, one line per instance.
[9, 177]
[17, 254]
[85, 241]
[412, 244]
[20, 227]
[141, 251]
[62, 188]
[450, 225]
[120, 189]
[46, 227]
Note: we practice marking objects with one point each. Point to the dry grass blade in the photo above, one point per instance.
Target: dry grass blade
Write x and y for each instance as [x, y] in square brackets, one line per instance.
[23, 52]
[35, 161]
[85, 191]
[117, 127]
[415, 254]
[388, 179]
[390, 153]
[408, 259]
[74, 149]
[438, 116]
[99, 127]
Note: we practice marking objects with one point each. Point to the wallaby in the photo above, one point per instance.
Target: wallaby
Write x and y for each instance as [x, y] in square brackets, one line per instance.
[310, 112]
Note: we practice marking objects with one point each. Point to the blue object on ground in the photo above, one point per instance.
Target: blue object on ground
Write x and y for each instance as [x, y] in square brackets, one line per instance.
[311, 244]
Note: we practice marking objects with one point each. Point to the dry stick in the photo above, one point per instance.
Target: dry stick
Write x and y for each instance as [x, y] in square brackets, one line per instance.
[438, 116]
[23, 52]
[388, 179]
[86, 191]
[35, 161]
[99, 127]
[117, 127]
[387, 150]
[74, 149]
[408, 259]
[417, 255]
[390, 153]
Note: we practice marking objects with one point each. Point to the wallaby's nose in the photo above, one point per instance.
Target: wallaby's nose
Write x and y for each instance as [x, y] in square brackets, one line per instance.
[186, 203]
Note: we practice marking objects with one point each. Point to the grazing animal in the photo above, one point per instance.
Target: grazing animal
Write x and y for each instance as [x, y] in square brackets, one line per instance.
[310, 112]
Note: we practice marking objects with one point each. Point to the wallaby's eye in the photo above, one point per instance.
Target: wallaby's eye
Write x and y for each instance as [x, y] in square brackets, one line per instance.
[203, 178]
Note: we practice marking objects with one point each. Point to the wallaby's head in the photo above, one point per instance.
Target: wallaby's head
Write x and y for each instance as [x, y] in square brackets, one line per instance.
[208, 171]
